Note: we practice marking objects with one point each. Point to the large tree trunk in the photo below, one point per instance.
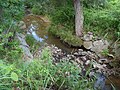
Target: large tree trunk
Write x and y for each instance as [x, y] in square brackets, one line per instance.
[78, 18]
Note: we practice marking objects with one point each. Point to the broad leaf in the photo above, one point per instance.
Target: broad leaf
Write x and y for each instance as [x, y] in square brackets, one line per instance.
[14, 76]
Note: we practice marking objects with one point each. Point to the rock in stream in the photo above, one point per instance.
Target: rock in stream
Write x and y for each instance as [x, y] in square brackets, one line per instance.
[25, 47]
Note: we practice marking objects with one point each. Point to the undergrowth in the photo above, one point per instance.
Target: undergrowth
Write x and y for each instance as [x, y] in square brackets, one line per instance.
[42, 74]
[101, 18]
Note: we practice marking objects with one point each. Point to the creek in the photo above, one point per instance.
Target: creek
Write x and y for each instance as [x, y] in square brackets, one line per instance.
[41, 24]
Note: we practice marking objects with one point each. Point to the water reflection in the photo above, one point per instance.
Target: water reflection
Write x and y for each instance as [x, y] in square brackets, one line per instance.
[31, 31]
[38, 29]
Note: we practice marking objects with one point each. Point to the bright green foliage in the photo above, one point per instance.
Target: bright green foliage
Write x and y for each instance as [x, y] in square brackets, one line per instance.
[42, 74]
[14, 76]
[103, 21]
[8, 74]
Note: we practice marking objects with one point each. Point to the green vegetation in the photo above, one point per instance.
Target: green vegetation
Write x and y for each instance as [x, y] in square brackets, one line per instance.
[102, 18]
[11, 12]
[64, 33]
[99, 17]
[42, 74]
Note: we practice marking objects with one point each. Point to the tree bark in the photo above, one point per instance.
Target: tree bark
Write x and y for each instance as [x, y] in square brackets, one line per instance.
[78, 18]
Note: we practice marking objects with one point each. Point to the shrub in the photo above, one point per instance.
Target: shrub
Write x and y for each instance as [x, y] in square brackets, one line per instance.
[12, 9]
[102, 21]
[63, 15]
[9, 47]
[12, 12]
[42, 8]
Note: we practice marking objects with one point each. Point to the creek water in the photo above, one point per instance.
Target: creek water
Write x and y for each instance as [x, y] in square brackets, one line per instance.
[42, 23]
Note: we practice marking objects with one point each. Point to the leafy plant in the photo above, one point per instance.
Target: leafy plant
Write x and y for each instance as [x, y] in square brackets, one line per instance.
[43, 74]
[12, 11]
[63, 75]
[105, 52]
[8, 75]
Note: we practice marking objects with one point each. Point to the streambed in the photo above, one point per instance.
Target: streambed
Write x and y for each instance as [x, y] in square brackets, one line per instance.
[41, 24]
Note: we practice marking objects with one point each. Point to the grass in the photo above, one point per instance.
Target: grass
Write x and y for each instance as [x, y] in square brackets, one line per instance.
[42, 74]
[66, 35]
